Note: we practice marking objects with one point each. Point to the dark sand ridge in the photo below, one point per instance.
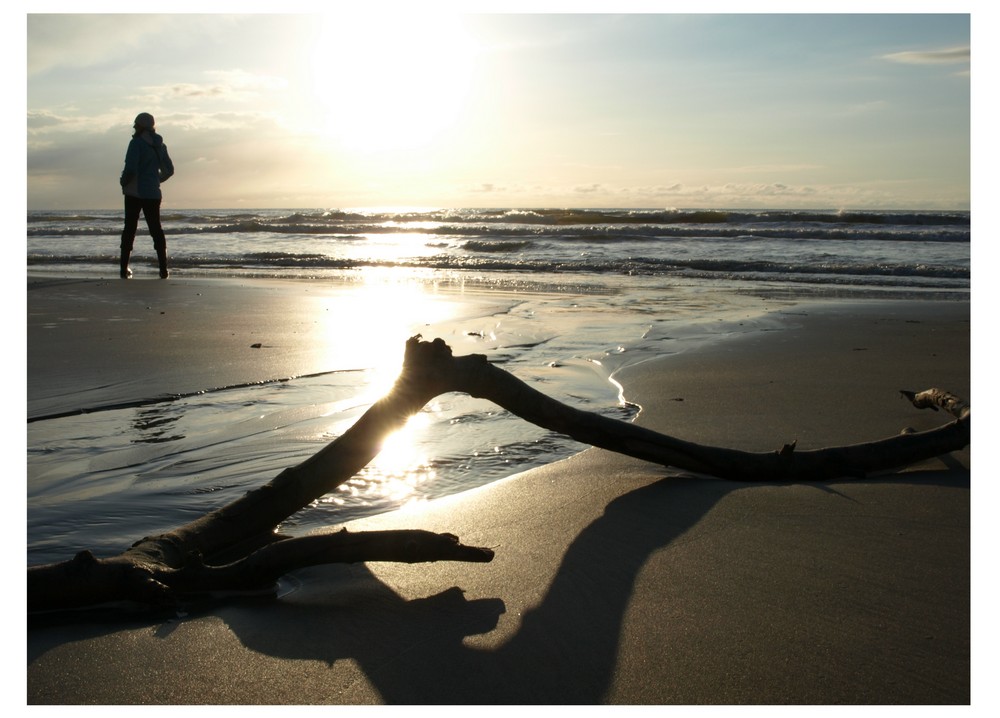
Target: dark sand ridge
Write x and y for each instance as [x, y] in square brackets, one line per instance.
[618, 581]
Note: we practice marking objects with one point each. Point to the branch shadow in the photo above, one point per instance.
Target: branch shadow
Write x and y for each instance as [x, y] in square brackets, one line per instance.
[565, 650]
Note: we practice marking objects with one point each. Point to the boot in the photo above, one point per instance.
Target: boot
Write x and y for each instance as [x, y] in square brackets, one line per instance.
[161, 256]
[124, 272]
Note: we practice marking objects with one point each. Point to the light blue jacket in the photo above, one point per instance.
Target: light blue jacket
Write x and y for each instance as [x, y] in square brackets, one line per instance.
[147, 164]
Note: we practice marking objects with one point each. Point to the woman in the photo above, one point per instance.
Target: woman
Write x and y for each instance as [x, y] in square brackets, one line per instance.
[147, 164]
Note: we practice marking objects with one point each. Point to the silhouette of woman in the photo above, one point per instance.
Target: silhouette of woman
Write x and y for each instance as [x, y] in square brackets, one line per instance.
[147, 164]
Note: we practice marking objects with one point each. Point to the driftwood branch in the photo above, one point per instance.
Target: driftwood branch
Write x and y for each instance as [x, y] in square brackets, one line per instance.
[87, 580]
[235, 548]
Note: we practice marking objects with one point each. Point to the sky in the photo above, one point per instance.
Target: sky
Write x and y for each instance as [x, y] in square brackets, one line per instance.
[521, 109]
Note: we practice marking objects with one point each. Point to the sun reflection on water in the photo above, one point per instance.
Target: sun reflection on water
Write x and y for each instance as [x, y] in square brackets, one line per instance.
[373, 323]
[367, 327]
[396, 474]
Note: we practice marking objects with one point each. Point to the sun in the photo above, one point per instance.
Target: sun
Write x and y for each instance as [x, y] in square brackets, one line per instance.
[391, 82]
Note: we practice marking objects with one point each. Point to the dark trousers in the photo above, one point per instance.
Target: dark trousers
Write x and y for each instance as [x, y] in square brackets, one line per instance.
[150, 208]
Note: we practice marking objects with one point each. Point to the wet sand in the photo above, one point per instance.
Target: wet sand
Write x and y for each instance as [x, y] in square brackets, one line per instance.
[92, 343]
[616, 581]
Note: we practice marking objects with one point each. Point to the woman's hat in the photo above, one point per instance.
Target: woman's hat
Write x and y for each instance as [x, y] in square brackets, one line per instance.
[144, 119]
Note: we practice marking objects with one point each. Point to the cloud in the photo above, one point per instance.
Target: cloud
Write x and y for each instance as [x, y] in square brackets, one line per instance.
[948, 56]
[42, 119]
[70, 124]
[232, 85]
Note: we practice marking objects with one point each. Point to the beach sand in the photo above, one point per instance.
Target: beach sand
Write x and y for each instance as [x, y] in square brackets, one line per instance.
[614, 581]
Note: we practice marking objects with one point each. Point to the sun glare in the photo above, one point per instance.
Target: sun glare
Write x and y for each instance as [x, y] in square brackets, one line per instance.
[391, 83]
[370, 332]
[384, 311]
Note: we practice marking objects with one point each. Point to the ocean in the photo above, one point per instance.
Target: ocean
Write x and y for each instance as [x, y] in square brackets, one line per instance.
[873, 249]
[580, 295]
